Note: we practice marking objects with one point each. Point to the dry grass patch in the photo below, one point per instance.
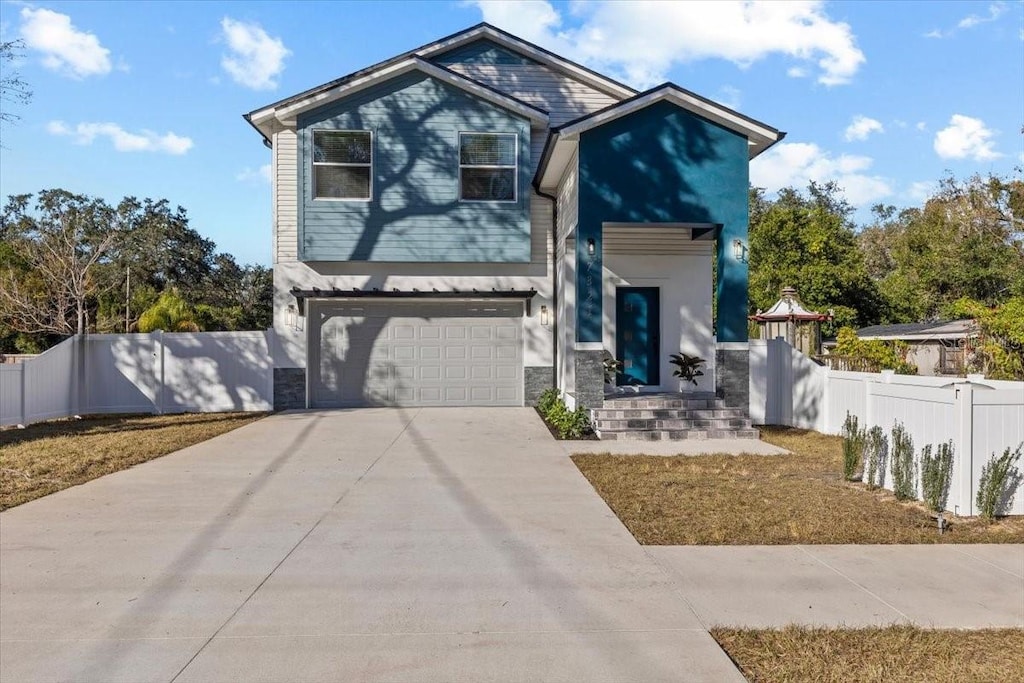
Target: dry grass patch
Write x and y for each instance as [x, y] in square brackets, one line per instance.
[51, 456]
[768, 500]
[893, 654]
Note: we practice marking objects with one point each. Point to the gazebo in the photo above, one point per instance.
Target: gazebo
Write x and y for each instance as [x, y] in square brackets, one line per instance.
[790, 320]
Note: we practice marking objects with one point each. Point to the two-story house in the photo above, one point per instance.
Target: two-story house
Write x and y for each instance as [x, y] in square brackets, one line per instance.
[479, 219]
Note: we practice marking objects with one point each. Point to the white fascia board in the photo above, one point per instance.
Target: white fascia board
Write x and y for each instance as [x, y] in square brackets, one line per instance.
[413, 64]
[610, 87]
[760, 137]
[561, 155]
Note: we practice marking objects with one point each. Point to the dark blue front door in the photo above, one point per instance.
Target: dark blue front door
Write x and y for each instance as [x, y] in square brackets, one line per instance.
[637, 322]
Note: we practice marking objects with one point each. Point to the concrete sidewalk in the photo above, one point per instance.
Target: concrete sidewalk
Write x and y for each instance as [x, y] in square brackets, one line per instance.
[935, 586]
[371, 545]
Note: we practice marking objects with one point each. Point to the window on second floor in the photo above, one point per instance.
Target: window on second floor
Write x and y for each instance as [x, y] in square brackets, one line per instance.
[342, 164]
[488, 167]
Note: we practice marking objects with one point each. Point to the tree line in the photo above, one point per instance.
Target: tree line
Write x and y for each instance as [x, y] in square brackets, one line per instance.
[70, 263]
[959, 255]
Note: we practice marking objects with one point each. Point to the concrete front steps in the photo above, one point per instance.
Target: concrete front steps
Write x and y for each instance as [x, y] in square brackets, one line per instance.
[659, 417]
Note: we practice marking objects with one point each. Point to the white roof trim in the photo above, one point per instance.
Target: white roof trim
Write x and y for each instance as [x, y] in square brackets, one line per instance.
[548, 59]
[292, 110]
[760, 137]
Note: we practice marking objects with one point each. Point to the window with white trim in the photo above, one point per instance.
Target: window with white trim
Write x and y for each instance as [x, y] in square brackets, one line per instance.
[488, 167]
[342, 164]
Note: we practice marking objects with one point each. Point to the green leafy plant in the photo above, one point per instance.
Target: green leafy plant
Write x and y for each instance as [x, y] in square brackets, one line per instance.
[547, 400]
[996, 476]
[874, 354]
[936, 475]
[901, 464]
[612, 367]
[876, 446]
[687, 367]
[569, 424]
[853, 447]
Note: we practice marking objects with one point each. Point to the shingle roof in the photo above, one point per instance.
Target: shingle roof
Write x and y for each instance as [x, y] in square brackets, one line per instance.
[937, 329]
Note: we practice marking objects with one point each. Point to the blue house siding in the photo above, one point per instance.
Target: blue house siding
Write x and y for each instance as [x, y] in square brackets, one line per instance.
[414, 213]
[663, 164]
[482, 52]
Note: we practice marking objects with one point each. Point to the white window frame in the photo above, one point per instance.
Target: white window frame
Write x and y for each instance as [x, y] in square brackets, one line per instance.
[314, 163]
[515, 183]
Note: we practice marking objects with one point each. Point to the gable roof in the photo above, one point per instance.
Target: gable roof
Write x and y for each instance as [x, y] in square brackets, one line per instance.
[562, 140]
[285, 109]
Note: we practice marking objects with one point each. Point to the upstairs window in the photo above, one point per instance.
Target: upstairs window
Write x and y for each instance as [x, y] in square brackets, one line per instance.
[487, 167]
[342, 164]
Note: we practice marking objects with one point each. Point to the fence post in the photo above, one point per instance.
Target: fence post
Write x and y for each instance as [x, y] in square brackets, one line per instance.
[869, 408]
[964, 431]
[825, 416]
[160, 394]
[24, 401]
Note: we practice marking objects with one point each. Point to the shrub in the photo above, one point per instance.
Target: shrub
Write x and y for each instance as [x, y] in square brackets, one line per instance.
[612, 368]
[853, 447]
[570, 424]
[875, 448]
[874, 352]
[936, 475]
[902, 464]
[547, 401]
[998, 472]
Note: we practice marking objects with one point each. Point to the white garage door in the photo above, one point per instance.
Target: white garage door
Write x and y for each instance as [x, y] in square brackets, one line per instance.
[417, 353]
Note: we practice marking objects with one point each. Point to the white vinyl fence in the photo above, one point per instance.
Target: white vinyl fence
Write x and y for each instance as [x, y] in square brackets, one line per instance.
[979, 416]
[140, 373]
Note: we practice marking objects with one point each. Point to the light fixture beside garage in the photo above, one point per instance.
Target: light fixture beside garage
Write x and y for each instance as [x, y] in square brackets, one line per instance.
[591, 246]
[545, 317]
[293, 319]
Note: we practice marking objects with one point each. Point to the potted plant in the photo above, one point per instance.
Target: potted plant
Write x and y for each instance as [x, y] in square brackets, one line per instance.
[612, 367]
[688, 368]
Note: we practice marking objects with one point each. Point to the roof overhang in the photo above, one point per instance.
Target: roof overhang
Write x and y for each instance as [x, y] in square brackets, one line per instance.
[301, 295]
[563, 140]
[286, 112]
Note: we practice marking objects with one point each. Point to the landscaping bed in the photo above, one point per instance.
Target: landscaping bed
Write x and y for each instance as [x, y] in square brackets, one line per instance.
[800, 498]
[50, 456]
[875, 655]
[562, 422]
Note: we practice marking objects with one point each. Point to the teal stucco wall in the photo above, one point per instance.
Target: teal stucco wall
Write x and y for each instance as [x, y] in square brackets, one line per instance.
[414, 214]
[663, 164]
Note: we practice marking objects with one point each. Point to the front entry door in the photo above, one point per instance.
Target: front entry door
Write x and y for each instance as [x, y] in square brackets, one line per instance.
[637, 345]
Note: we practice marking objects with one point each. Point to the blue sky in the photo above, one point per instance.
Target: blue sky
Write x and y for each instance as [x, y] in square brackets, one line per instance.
[146, 98]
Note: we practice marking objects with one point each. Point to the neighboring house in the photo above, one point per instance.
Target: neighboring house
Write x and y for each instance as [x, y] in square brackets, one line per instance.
[936, 348]
[479, 219]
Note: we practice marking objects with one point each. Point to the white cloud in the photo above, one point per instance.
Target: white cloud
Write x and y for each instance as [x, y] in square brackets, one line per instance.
[255, 60]
[123, 141]
[254, 175]
[640, 41]
[862, 127]
[796, 72]
[966, 137]
[921, 125]
[795, 164]
[921, 190]
[995, 10]
[64, 48]
[729, 96]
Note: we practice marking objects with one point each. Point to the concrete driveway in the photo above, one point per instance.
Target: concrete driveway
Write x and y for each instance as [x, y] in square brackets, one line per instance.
[369, 545]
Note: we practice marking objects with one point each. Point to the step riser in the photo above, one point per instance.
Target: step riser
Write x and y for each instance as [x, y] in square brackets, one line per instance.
[678, 435]
[668, 414]
[646, 425]
[659, 404]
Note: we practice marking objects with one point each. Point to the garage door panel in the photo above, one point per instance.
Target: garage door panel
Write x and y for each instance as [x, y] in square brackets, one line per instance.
[434, 353]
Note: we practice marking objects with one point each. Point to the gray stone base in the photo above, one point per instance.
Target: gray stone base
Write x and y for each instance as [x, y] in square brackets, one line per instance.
[289, 388]
[732, 377]
[535, 381]
[590, 379]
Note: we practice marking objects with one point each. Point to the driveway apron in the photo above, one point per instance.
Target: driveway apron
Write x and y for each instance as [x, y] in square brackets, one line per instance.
[365, 545]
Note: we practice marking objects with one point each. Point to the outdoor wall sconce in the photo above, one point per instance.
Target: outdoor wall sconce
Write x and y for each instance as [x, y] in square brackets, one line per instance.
[739, 251]
[591, 246]
[545, 317]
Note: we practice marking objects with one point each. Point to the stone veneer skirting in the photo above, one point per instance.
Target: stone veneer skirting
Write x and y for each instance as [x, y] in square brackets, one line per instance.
[289, 388]
[732, 377]
[589, 378]
[535, 381]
